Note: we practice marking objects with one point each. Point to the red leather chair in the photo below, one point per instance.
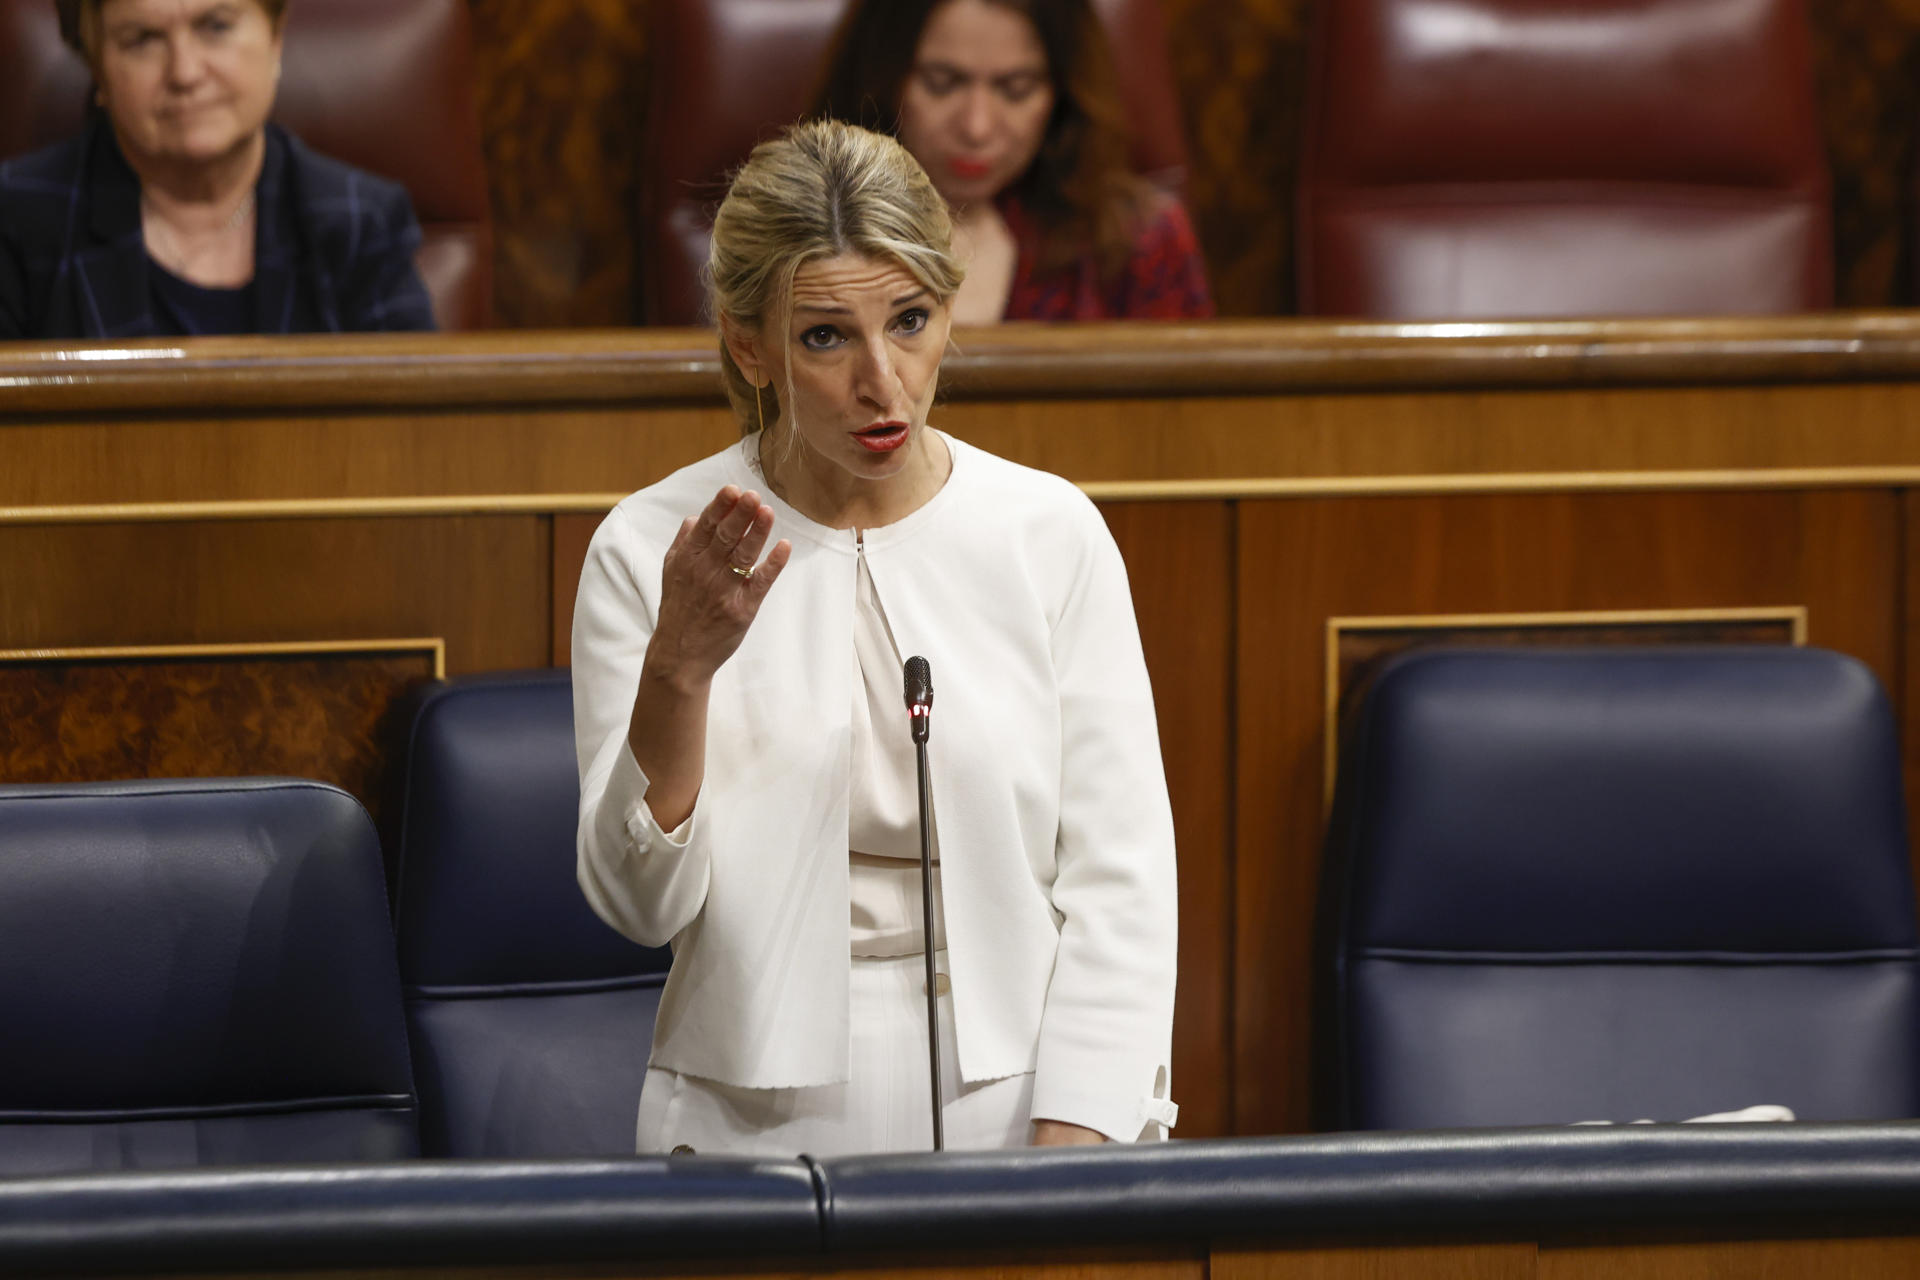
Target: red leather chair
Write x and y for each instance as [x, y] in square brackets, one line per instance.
[383, 84]
[727, 73]
[1481, 158]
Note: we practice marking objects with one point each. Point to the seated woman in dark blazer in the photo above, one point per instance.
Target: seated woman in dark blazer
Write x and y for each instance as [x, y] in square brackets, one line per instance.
[180, 210]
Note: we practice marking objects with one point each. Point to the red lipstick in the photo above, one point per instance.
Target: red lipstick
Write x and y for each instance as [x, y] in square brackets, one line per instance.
[969, 168]
[882, 437]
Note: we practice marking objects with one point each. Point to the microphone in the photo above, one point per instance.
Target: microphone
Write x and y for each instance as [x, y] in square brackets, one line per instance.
[919, 697]
[919, 677]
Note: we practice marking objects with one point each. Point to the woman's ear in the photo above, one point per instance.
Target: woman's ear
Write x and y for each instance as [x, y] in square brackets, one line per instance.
[745, 350]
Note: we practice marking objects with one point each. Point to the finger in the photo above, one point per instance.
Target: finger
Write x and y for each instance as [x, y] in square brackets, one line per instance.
[733, 526]
[709, 520]
[754, 540]
[677, 549]
[769, 571]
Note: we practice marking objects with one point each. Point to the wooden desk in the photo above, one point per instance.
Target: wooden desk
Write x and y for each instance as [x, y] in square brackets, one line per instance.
[271, 538]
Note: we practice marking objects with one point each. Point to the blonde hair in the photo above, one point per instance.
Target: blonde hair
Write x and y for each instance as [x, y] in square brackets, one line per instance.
[820, 189]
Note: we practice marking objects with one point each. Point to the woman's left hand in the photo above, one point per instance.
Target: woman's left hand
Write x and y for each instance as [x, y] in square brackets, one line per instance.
[1058, 1133]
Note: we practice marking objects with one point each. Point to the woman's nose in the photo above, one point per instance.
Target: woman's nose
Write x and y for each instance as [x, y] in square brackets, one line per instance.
[879, 382]
[977, 115]
[184, 61]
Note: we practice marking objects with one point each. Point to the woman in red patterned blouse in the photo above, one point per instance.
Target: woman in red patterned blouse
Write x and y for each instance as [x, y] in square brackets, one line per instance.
[1013, 108]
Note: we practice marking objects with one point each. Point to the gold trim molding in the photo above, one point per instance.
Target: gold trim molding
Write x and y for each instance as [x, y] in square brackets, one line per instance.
[1794, 616]
[1224, 489]
[433, 645]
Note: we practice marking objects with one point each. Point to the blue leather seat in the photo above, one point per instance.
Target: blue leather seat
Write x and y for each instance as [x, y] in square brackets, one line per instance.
[196, 973]
[1619, 884]
[531, 1019]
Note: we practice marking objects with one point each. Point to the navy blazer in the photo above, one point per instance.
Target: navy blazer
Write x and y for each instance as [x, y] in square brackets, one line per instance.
[333, 249]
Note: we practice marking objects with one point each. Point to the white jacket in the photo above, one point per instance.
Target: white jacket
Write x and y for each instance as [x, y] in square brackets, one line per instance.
[1056, 840]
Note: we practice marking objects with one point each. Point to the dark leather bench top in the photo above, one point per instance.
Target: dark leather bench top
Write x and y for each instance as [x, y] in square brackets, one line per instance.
[441, 1212]
[1489, 1181]
[1743, 1178]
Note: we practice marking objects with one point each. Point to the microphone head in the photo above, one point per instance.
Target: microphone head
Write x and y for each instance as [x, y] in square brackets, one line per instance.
[919, 682]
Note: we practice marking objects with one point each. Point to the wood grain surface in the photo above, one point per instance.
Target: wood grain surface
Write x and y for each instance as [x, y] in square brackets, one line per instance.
[1180, 561]
[331, 716]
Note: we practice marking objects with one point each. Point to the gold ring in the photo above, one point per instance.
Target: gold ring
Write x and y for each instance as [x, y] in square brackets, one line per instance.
[739, 572]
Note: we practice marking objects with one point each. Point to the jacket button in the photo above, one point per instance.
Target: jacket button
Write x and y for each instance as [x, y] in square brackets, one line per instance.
[940, 985]
[683, 1150]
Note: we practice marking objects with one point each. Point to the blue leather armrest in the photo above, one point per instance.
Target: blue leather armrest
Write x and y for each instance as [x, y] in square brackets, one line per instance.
[1511, 1181]
[425, 1212]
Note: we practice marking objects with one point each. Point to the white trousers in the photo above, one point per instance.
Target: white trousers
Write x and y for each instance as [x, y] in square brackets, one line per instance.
[885, 1106]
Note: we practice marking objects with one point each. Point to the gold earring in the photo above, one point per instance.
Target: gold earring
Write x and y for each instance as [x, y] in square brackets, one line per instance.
[760, 415]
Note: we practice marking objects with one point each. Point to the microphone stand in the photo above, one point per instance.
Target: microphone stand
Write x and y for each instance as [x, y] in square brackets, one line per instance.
[919, 709]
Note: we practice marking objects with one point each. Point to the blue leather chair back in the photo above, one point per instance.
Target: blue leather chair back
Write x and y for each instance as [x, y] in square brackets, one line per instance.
[196, 973]
[1619, 884]
[531, 1019]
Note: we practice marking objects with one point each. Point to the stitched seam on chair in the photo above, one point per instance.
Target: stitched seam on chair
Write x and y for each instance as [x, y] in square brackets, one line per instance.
[1429, 956]
[822, 1200]
[288, 1106]
[512, 990]
[194, 787]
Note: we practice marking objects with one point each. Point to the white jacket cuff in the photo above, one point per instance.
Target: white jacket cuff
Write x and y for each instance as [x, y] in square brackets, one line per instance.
[1123, 1117]
[627, 787]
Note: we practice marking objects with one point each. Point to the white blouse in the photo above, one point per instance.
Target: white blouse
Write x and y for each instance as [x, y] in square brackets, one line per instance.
[883, 797]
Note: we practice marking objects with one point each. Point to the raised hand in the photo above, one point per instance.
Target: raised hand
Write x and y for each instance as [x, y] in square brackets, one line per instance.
[711, 586]
[710, 592]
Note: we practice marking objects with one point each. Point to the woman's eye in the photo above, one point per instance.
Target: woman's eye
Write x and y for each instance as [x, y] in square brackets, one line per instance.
[1020, 89]
[821, 337]
[939, 82]
[911, 322]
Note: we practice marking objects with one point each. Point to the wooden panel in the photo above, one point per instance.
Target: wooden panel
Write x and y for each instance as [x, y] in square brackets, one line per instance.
[1378, 1262]
[439, 425]
[561, 83]
[1303, 562]
[571, 534]
[1180, 562]
[1871, 1259]
[668, 367]
[329, 716]
[480, 583]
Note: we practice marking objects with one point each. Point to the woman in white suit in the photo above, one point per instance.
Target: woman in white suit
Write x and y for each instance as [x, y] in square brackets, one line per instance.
[747, 777]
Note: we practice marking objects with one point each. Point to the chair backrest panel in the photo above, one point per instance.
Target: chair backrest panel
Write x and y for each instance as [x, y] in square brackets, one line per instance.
[1473, 158]
[198, 965]
[1571, 801]
[531, 1018]
[1618, 884]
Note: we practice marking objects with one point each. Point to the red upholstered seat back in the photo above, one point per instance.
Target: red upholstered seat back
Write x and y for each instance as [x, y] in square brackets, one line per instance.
[1481, 158]
[383, 84]
[728, 73]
